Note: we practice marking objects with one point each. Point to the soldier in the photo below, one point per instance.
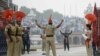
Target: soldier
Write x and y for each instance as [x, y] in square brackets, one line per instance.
[49, 31]
[43, 42]
[10, 31]
[88, 41]
[26, 40]
[19, 38]
[66, 40]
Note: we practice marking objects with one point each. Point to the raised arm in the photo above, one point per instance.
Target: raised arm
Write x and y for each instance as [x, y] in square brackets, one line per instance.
[6, 33]
[62, 33]
[60, 24]
[70, 33]
[39, 25]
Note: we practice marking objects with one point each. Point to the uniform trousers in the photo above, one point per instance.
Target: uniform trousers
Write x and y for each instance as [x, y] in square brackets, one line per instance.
[50, 43]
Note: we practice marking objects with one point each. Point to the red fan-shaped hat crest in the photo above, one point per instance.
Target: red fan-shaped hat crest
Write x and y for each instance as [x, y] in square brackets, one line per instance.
[50, 20]
[19, 15]
[91, 17]
[8, 14]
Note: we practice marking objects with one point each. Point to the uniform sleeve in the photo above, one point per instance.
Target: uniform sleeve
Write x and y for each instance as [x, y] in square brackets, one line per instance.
[44, 26]
[54, 27]
[39, 25]
[6, 28]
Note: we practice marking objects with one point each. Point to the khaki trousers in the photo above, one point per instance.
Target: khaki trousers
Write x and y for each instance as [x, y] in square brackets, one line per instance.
[11, 46]
[89, 50]
[50, 42]
[43, 44]
[19, 46]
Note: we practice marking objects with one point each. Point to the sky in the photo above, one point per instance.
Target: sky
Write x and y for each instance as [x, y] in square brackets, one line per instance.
[65, 7]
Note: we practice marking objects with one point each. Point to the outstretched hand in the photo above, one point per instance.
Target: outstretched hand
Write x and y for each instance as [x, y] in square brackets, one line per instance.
[60, 23]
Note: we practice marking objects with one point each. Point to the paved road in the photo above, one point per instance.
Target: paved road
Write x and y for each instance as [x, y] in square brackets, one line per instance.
[75, 51]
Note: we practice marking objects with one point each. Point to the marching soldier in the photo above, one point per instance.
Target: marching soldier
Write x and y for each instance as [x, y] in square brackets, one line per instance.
[88, 41]
[19, 38]
[49, 31]
[66, 40]
[10, 31]
[43, 42]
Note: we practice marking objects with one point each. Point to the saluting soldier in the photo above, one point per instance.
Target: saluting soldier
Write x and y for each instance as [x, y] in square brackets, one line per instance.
[49, 31]
[10, 31]
[19, 33]
[66, 39]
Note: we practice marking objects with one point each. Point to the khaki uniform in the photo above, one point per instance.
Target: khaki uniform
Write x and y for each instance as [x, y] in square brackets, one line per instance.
[89, 48]
[43, 42]
[20, 42]
[49, 31]
[11, 45]
[50, 42]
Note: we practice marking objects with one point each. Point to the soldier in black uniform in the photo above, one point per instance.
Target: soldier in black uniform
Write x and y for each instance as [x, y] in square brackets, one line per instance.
[66, 40]
[26, 40]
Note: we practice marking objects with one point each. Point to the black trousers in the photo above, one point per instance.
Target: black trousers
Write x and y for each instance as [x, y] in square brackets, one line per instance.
[66, 45]
[26, 44]
[3, 44]
[94, 49]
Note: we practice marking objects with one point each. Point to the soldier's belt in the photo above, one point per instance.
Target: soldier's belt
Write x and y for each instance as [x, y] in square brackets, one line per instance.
[19, 34]
[49, 35]
[13, 34]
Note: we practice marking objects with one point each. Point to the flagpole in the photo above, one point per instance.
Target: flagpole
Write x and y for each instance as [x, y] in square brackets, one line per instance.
[8, 3]
[14, 19]
[64, 9]
[70, 10]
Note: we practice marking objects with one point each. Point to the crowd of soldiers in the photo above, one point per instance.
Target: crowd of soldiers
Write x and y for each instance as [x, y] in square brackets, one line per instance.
[17, 37]
[14, 33]
[48, 38]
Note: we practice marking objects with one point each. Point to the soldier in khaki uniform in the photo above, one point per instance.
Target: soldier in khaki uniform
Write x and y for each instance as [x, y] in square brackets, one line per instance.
[88, 41]
[10, 31]
[49, 31]
[19, 38]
